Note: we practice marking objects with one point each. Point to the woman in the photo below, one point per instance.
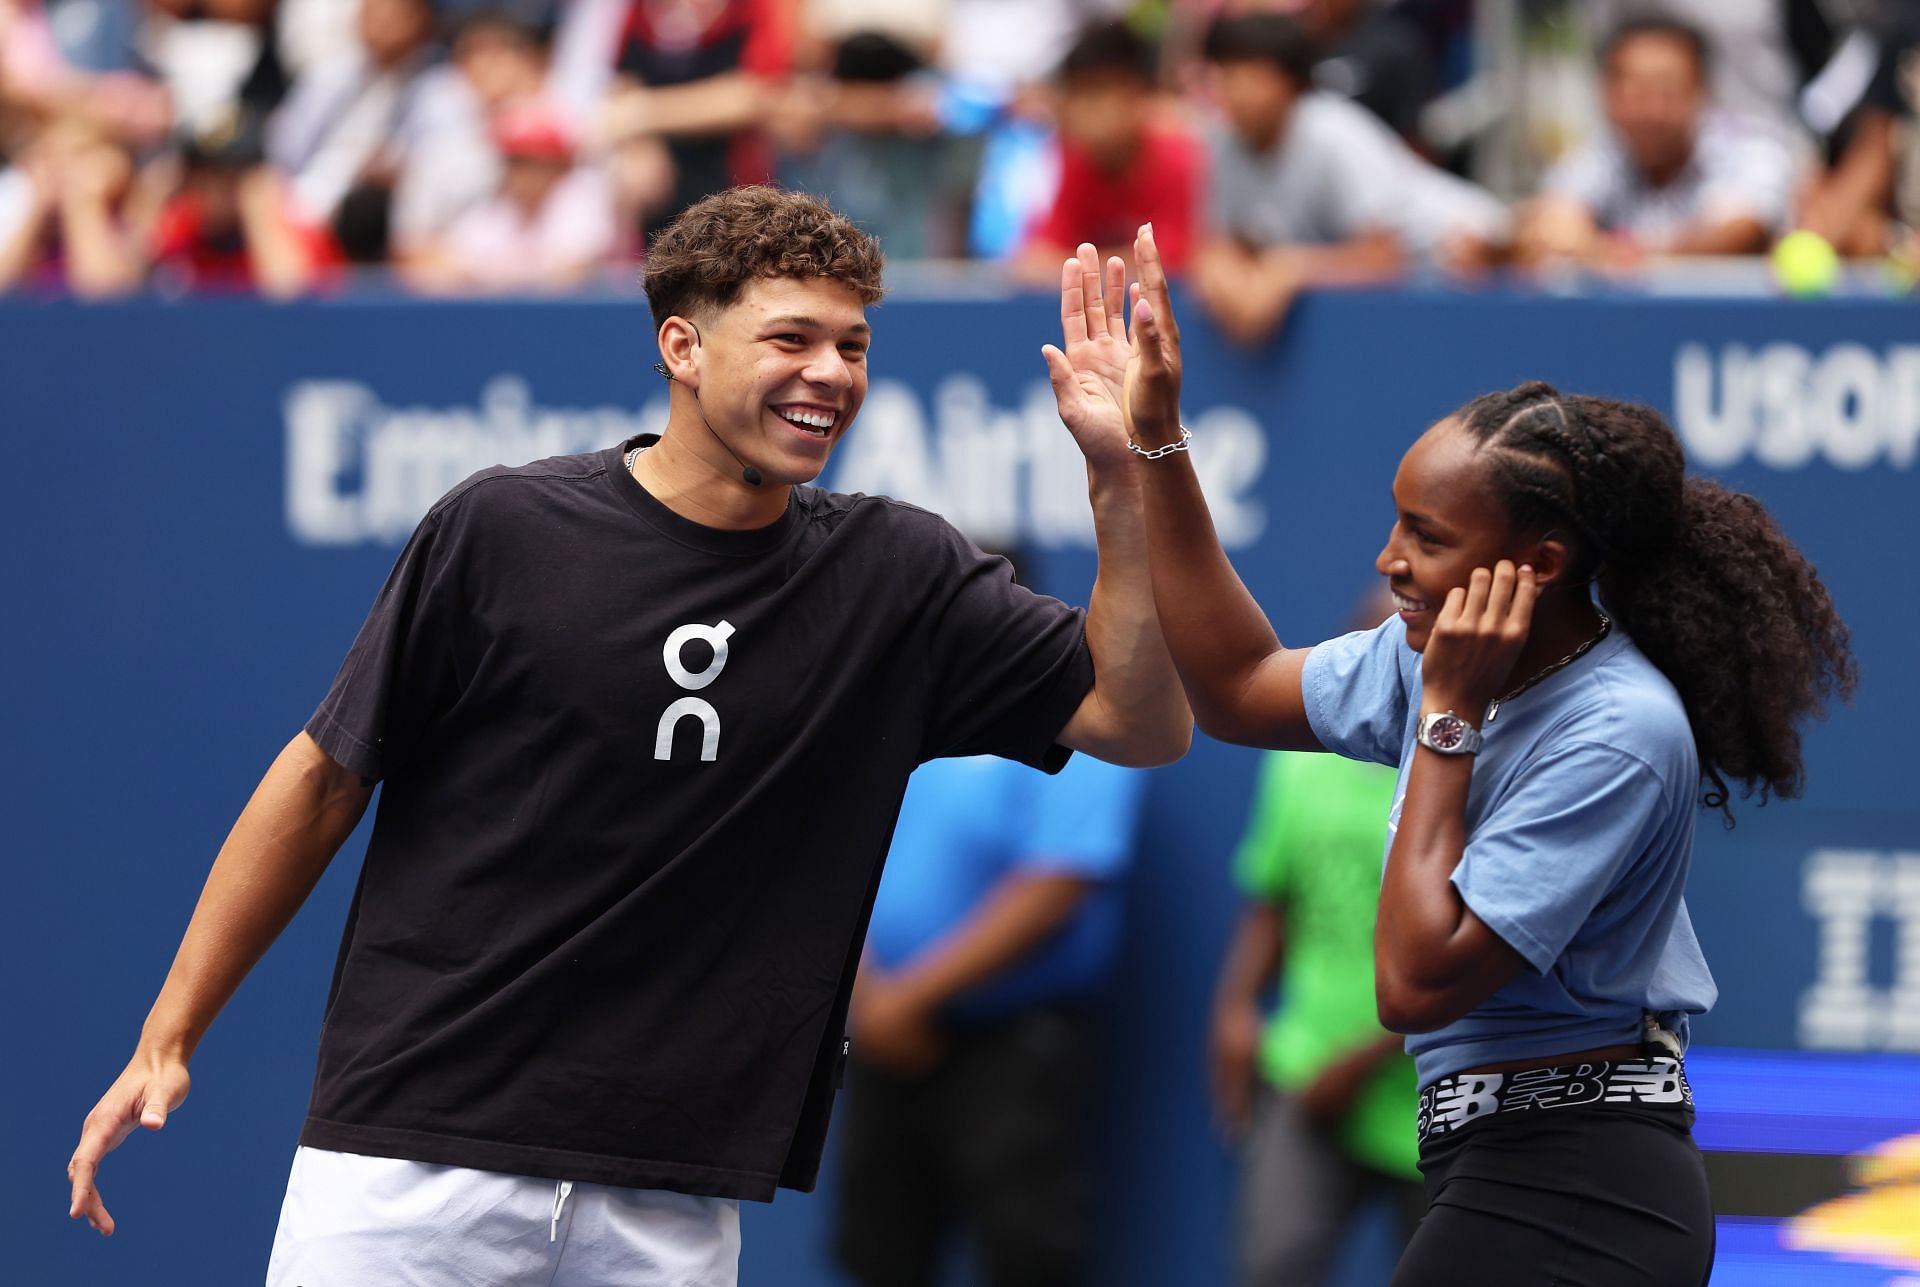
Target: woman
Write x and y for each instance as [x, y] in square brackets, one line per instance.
[1589, 646]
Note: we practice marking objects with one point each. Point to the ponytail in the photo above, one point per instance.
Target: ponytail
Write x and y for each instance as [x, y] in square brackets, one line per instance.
[1701, 577]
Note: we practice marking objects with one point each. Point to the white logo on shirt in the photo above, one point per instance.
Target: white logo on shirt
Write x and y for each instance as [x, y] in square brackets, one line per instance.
[716, 637]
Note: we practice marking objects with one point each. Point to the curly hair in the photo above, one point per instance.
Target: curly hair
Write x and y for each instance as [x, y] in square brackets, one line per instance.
[701, 260]
[1701, 577]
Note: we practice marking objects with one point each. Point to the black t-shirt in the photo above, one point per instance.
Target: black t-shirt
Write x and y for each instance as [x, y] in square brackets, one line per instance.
[639, 777]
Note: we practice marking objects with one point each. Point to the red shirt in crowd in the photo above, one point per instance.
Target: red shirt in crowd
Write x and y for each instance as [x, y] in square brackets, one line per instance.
[195, 256]
[1162, 187]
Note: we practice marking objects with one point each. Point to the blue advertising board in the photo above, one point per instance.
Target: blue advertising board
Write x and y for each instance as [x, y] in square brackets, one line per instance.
[200, 502]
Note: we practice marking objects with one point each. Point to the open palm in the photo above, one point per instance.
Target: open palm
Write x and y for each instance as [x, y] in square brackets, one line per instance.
[1114, 383]
[1089, 376]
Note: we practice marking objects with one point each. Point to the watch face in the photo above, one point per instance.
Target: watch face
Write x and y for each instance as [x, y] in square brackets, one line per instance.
[1447, 732]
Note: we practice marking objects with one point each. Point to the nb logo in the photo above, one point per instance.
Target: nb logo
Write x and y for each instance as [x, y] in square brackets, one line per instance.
[698, 707]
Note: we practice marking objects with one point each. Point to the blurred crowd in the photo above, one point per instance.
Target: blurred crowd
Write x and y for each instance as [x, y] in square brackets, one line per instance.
[292, 146]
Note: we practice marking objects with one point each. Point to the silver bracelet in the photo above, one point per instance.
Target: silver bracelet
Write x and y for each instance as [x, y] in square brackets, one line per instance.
[1186, 439]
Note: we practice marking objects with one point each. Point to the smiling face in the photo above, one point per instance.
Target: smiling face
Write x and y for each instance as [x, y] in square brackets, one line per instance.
[1448, 521]
[780, 373]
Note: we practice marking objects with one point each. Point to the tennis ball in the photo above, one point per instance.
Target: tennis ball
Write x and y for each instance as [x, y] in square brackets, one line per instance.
[1805, 265]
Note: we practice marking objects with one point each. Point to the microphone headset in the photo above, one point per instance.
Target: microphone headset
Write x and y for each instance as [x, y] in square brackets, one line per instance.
[748, 474]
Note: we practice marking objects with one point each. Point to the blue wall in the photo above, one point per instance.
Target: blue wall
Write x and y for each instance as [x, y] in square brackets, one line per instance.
[200, 502]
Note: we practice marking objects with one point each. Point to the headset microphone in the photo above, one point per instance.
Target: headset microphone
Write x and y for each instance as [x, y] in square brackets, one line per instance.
[748, 474]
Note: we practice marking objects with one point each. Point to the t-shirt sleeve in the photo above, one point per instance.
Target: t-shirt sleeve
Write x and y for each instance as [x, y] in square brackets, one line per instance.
[399, 672]
[1365, 172]
[1084, 820]
[1586, 176]
[1008, 667]
[1260, 862]
[1357, 695]
[1751, 178]
[1549, 851]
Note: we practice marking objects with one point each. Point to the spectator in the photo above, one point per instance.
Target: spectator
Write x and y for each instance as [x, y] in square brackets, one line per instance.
[226, 226]
[348, 122]
[498, 61]
[869, 133]
[1311, 190]
[1371, 53]
[699, 75]
[501, 63]
[548, 228]
[971, 1064]
[1320, 1095]
[1672, 177]
[64, 214]
[1868, 203]
[1760, 52]
[1003, 155]
[1120, 165]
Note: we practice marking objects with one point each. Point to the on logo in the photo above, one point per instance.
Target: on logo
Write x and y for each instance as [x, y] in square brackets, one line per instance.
[1846, 890]
[716, 637]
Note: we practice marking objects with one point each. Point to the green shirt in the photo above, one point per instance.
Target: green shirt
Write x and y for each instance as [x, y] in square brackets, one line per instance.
[1314, 845]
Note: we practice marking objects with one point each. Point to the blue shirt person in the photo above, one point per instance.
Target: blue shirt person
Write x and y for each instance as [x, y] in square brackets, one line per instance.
[996, 921]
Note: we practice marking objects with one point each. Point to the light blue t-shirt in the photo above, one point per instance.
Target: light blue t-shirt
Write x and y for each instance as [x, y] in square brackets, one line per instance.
[1579, 834]
[969, 821]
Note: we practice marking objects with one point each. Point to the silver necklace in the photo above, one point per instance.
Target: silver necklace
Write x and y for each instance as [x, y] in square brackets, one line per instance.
[1606, 624]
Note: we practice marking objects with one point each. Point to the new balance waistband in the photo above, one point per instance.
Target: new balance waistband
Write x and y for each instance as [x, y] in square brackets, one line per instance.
[1454, 1103]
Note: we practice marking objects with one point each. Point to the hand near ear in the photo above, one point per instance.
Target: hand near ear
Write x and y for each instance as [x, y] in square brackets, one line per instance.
[1477, 638]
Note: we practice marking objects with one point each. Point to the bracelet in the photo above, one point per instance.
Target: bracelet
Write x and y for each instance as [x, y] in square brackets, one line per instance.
[1186, 440]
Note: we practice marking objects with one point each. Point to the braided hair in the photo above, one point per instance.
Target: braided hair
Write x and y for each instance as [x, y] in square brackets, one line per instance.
[1703, 580]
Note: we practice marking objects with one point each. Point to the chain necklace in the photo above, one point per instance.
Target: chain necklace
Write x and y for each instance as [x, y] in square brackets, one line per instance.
[1606, 624]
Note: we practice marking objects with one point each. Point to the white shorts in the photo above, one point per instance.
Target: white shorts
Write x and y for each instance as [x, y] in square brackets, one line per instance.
[354, 1221]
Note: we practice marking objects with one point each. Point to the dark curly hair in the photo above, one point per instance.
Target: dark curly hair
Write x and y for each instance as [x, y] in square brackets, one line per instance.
[1703, 580]
[700, 261]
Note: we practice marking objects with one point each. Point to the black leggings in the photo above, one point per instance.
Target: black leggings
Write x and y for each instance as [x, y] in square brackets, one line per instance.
[1607, 1196]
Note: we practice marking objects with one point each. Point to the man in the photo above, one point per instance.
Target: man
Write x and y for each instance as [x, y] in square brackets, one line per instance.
[972, 1066]
[1309, 189]
[1671, 178]
[644, 718]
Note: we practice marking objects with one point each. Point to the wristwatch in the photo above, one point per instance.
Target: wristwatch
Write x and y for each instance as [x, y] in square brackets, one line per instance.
[1447, 733]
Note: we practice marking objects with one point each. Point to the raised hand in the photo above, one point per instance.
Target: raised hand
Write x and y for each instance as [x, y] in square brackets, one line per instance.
[152, 1086]
[1477, 637]
[1152, 384]
[1089, 376]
